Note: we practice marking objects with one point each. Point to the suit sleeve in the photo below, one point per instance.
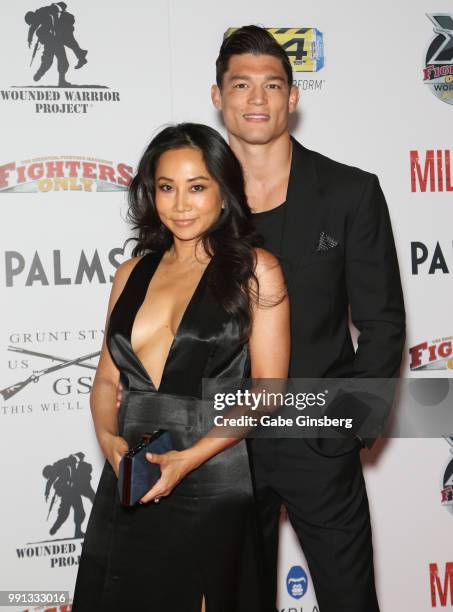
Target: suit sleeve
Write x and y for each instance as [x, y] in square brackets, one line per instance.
[374, 288]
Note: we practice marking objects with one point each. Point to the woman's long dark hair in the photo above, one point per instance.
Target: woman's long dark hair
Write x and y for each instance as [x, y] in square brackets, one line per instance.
[231, 238]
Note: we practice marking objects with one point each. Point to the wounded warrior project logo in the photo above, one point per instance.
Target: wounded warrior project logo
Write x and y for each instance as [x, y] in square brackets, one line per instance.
[50, 34]
[305, 49]
[67, 483]
[438, 69]
[447, 481]
[64, 173]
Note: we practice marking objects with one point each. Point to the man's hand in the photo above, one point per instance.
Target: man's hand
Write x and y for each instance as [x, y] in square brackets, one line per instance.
[119, 395]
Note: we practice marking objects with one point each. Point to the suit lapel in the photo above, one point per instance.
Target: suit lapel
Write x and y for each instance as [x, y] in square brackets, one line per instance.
[303, 221]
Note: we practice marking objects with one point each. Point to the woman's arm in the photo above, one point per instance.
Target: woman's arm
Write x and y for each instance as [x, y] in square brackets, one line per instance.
[103, 404]
[269, 346]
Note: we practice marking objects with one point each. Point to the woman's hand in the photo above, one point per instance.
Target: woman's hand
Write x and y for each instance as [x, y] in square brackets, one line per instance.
[174, 466]
[114, 448]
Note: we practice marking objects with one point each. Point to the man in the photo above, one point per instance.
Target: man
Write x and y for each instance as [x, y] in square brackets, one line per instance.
[54, 29]
[329, 225]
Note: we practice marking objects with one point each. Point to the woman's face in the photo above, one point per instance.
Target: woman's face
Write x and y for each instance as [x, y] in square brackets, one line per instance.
[188, 199]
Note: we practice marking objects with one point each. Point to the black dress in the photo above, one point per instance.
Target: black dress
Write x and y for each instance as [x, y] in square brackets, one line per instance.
[203, 537]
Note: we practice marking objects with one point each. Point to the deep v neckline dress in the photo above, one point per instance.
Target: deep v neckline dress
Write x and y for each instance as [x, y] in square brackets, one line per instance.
[202, 539]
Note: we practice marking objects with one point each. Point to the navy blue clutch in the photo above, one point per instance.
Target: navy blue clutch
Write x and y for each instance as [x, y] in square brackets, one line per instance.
[136, 474]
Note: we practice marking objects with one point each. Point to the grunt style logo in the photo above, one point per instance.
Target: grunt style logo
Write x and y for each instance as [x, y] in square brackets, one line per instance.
[50, 34]
[438, 68]
[61, 363]
[297, 582]
[447, 481]
[43, 376]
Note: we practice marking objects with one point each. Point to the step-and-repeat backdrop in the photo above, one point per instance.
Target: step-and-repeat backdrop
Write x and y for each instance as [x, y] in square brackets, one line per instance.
[77, 107]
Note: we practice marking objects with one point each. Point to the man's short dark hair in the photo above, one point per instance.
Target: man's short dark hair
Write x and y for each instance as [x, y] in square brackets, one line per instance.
[250, 39]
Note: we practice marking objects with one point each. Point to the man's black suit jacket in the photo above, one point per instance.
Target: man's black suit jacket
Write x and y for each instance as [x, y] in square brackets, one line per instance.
[361, 272]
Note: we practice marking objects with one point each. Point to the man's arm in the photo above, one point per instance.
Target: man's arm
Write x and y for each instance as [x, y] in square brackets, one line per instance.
[375, 295]
[374, 287]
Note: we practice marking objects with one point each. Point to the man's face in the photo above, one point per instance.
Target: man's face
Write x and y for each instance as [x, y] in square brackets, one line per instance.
[255, 98]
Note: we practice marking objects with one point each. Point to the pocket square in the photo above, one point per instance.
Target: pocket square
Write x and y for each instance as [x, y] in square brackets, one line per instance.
[326, 242]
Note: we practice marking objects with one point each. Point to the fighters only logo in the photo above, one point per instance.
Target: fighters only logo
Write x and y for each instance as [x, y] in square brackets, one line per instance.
[438, 68]
[435, 355]
[64, 173]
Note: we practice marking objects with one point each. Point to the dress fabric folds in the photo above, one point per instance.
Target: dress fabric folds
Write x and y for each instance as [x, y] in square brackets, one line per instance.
[203, 538]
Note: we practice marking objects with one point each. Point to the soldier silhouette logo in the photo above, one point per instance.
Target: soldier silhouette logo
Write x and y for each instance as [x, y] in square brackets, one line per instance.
[51, 30]
[68, 480]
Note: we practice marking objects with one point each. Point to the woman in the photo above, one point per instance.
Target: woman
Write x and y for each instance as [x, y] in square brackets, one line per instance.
[203, 302]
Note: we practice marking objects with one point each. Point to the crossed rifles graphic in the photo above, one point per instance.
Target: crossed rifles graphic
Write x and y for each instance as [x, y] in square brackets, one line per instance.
[36, 374]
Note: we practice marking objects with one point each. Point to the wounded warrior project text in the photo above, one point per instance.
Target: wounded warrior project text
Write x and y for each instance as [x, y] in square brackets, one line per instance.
[50, 101]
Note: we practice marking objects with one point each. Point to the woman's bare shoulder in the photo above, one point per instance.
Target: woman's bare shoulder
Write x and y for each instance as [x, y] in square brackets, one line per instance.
[266, 261]
[124, 269]
[121, 276]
